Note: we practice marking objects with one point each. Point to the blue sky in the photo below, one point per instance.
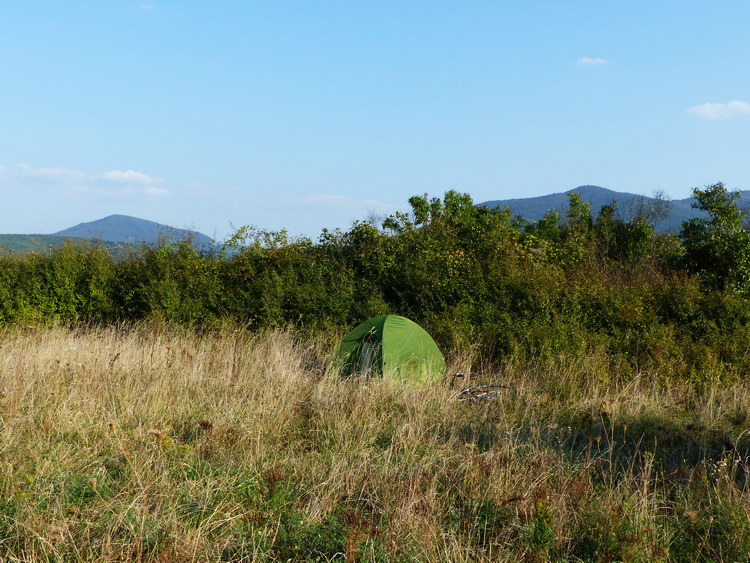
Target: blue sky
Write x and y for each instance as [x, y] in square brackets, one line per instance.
[303, 115]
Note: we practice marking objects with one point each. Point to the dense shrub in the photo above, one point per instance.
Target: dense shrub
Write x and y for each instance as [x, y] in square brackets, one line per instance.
[71, 283]
[479, 279]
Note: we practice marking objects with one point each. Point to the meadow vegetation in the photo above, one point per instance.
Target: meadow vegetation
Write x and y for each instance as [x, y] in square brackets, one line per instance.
[151, 442]
[173, 405]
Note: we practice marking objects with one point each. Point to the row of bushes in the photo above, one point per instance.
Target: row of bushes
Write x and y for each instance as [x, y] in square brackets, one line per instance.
[480, 280]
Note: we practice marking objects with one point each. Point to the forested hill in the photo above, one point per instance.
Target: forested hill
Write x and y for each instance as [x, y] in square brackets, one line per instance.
[132, 230]
[118, 233]
[628, 205]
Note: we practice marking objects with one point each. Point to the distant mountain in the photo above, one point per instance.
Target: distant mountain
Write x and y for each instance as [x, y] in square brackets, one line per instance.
[118, 233]
[628, 205]
[131, 230]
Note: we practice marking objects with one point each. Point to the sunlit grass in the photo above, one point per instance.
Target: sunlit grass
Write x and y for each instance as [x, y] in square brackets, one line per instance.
[153, 443]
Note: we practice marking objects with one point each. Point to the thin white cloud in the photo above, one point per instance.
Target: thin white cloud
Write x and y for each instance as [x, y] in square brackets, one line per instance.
[112, 184]
[592, 61]
[123, 177]
[720, 110]
[119, 193]
[52, 174]
[146, 7]
[129, 177]
[341, 201]
[152, 190]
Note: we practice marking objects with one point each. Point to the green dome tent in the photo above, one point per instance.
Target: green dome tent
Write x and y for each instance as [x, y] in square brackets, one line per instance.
[391, 346]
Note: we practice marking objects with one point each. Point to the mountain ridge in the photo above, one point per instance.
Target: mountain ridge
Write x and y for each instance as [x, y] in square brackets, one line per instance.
[118, 230]
[628, 205]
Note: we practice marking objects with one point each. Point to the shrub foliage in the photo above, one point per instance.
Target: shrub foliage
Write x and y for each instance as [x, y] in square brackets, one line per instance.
[481, 280]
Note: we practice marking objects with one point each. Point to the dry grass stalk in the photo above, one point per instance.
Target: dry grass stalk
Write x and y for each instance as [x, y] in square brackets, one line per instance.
[151, 443]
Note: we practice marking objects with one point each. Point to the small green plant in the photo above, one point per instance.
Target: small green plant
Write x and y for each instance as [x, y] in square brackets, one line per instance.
[540, 534]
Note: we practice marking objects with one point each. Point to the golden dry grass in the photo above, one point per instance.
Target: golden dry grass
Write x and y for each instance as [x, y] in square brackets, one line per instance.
[154, 443]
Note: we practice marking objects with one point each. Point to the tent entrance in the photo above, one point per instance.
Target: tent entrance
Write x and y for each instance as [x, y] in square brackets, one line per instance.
[369, 354]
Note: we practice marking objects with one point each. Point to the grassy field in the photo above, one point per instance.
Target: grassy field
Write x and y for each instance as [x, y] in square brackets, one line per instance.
[152, 443]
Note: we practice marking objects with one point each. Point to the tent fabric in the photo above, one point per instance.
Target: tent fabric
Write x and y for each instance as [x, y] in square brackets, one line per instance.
[391, 346]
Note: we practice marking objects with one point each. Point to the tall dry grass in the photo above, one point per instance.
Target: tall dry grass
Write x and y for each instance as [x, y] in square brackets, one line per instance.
[155, 443]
